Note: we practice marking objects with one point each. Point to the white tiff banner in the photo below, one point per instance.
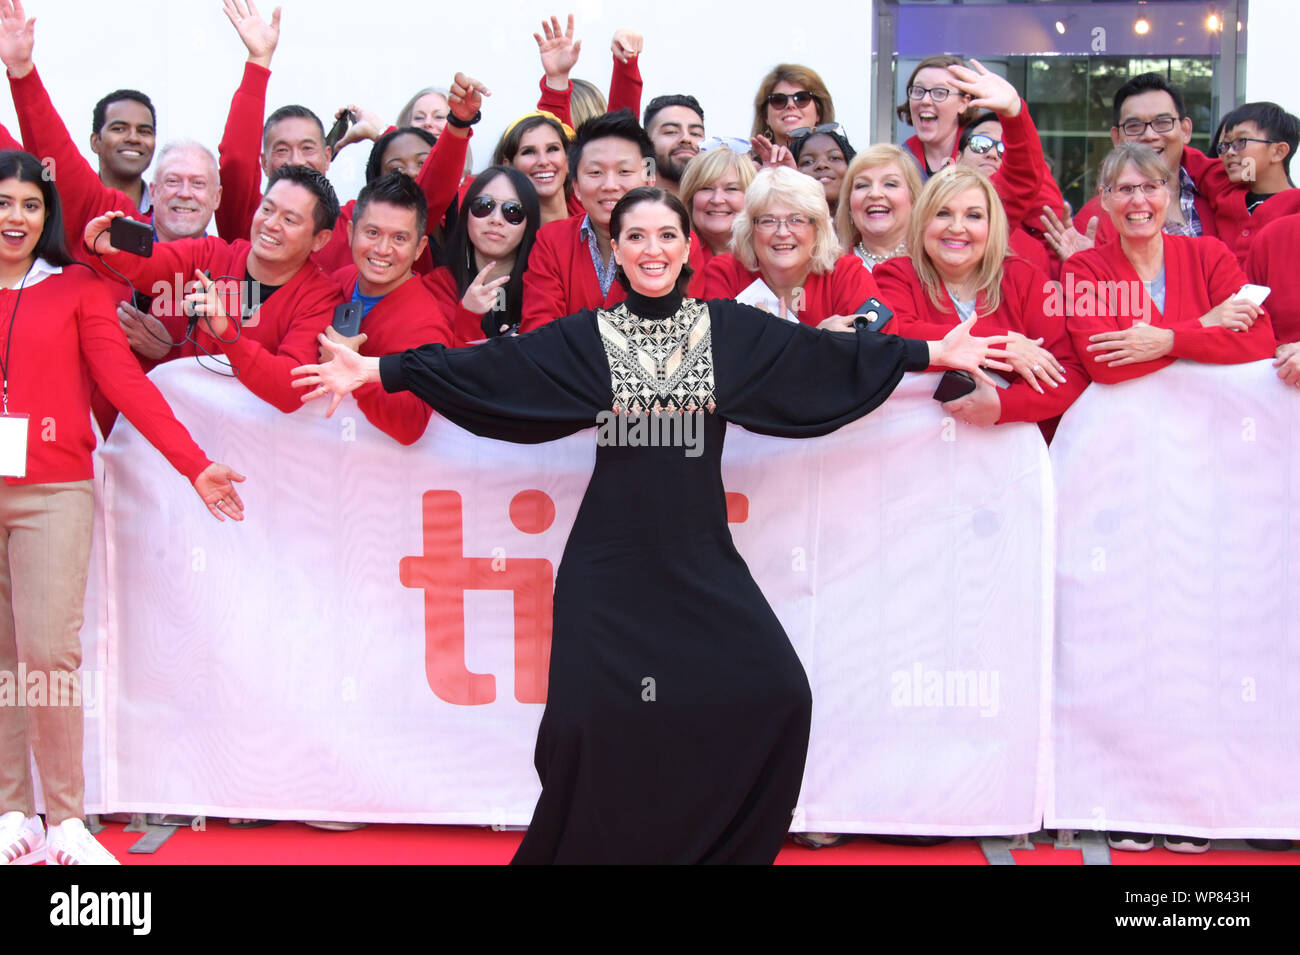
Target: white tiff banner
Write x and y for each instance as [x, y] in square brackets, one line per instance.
[1178, 644]
[284, 668]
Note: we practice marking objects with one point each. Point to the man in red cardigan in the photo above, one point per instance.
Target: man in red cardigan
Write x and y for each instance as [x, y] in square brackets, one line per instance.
[398, 310]
[280, 300]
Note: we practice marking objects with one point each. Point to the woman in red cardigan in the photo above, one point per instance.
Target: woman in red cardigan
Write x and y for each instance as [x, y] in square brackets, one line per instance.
[713, 191]
[960, 267]
[59, 335]
[1136, 304]
[784, 242]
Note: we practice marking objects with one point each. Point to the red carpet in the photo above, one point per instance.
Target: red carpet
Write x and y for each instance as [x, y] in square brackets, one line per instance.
[294, 843]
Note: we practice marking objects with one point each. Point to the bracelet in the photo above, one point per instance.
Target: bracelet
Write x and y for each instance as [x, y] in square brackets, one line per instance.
[454, 120]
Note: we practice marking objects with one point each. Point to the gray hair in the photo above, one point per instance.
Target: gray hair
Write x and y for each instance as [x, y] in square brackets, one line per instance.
[1139, 155]
[185, 145]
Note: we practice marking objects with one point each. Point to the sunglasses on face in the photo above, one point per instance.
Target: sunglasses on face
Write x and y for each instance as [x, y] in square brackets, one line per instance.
[980, 144]
[801, 99]
[512, 210]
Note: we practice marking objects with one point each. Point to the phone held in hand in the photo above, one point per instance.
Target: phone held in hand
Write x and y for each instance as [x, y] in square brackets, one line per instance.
[872, 316]
[347, 319]
[1255, 294]
[338, 130]
[953, 385]
[127, 235]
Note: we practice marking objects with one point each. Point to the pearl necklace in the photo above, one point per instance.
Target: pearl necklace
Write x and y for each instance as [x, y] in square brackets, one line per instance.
[872, 259]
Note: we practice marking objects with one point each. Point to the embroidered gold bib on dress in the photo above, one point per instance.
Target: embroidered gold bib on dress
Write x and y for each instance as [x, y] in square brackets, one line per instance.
[659, 364]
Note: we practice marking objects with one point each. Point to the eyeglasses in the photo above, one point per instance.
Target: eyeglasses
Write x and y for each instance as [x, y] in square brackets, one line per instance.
[1136, 127]
[979, 143]
[1148, 188]
[771, 223]
[1239, 144]
[735, 143]
[512, 210]
[801, 99]
[938, 94]
[825, 129]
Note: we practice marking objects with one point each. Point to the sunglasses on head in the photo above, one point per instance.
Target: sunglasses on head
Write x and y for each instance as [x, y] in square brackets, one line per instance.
[826, 129]
[979, 143]
[801, 99]
[512, 210]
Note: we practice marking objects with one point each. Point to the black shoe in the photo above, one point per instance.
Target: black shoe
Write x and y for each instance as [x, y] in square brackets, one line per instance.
[1270, 845]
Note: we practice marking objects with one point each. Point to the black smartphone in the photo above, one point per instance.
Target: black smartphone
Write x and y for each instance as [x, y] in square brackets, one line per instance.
[127, 235]
[872, 316]
[347, 319]
[338, 130]
[953, 385]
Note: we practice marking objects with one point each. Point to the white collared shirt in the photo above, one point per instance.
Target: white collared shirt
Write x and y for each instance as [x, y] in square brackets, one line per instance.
[39, 272]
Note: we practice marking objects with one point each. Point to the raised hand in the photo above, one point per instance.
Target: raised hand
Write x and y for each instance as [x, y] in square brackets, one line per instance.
[1063, 237]
[481, 296]
[770, 154]
[626, 45]
[465, 98]
[987, 90]
[558, 50]
[260, 38]
[215, 485]
[365, 125]
[17, 37]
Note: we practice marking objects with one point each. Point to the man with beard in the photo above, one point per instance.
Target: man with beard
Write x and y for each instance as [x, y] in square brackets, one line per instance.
[675, 124]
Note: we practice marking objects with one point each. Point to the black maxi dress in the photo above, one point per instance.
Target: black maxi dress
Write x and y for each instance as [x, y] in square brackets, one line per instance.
[677, 716]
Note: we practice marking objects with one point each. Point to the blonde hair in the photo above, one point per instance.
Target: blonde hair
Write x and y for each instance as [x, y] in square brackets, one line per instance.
[404, 116]
[882, 154]
[802, 193]
[796, 75]
[941, 188]
[710, 166]
[586, 102]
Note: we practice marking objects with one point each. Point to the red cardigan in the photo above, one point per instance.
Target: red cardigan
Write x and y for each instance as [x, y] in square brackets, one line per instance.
[406, 317]
[1272, 262]
[66, 340]
[839, 292]
[81, 193]
[1025, 308]
[561, 278]
[467, 325]
[1198, 166]
[1199, 274]
[241, 172]
[278, 337]
[1238, 227]
[624, 92]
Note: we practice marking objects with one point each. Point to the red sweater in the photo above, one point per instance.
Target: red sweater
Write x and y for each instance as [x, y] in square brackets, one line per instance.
[1024, 308]
[561, 278]
[839, 292]
[406, 317]
[1198, 166]
[468, 326]
[1233, 223]
[1199, 274]
[624, 92]
[1272, 262]
[66, 339]
[81, 193]
[280, 335]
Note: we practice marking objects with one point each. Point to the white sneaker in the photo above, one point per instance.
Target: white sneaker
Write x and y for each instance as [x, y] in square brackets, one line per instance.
[71, 844]
[22, 839]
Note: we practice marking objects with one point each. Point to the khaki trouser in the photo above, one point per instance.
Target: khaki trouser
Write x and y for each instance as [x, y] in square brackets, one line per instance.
[45, 532]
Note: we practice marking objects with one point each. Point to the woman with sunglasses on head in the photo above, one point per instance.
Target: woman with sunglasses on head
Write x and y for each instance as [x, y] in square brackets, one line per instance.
[713, 189]
[651, 584]
[784, 241]
[537, 144]
[480, 284]
[824, 153]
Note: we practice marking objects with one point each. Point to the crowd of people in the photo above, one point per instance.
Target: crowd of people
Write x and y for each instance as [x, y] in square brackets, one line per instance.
[601, 208]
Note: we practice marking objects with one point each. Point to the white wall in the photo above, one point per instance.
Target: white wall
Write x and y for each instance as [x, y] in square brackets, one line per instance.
[1273, 30]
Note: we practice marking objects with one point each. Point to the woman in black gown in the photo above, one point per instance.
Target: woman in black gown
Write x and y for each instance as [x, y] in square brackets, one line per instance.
[677, 714]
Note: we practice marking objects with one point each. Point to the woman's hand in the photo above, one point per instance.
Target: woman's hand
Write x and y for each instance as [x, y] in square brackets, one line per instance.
[1032, 362]
[465, 99]
[1063, 237]
[365, 125]
[559, 52]
[982, 407]
[626, 45]
[205, 302]
[770, 154]
[1140, 343]
[214, 485]
[1236, 314]
[482, 297]
[839, 323]
[1287, 363]
[963, 351]
[987, 90]
[343, 374]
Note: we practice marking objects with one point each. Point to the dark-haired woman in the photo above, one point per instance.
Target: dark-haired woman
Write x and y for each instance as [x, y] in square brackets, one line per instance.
[537, 144]
[480, 284]
[823, 152]
[677, 714]
[59, 335]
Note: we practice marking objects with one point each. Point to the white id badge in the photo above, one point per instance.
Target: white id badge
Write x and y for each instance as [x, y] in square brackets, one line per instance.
[13, 445]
